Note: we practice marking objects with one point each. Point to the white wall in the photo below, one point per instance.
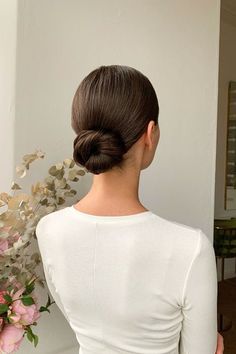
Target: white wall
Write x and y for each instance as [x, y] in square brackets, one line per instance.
[8, 24]
[174, 43]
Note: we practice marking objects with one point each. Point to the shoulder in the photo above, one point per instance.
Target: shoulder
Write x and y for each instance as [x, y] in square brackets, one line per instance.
[176, 229]
[52, 221]
[187, 241]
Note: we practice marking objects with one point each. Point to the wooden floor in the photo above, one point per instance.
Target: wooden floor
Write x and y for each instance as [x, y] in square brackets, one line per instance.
[227, 307]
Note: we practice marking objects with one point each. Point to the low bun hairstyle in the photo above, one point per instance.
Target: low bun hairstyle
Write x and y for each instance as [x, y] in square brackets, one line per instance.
[111, 109]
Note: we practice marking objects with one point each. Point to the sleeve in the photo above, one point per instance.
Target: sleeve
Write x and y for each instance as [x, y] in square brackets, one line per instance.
[53, 291]
[199, 325]
[42, 244]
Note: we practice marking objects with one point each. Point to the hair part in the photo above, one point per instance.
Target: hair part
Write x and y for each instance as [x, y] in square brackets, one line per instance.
[111, 109]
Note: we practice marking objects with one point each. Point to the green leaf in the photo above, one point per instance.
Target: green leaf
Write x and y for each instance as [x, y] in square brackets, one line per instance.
[29, 330]
[7, 297]
[27, 300]
[9, 288]
[29, 288]
[3, 308]
[30, 337]
[43, 308]
[7, 320]
[49, 301]
[36, 340]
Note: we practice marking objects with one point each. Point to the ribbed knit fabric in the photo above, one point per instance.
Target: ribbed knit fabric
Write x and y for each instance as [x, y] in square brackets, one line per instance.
[133, 284]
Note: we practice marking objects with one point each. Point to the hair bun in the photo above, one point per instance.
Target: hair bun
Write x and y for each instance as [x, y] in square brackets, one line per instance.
[98, 150]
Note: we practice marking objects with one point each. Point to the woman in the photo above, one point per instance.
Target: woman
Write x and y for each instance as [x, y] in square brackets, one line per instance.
[127, 280]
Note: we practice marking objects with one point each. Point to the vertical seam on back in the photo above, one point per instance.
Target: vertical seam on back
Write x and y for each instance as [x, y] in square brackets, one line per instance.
[94, 290]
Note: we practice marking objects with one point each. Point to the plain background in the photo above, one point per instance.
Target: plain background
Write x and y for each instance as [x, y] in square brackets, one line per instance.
[47, 47]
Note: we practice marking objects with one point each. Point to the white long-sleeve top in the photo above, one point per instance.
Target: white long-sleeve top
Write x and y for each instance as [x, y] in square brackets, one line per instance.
[133, 284]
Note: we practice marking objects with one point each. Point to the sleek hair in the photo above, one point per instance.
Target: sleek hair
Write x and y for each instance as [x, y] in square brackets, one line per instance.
[111, 109]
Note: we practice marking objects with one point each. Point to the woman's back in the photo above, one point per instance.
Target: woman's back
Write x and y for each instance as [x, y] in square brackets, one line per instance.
[131, 284]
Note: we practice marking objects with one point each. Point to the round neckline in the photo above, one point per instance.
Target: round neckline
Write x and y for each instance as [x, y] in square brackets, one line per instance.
[136, 216]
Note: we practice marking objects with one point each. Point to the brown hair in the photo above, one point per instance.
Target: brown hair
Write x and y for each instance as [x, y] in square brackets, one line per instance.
[110, 111]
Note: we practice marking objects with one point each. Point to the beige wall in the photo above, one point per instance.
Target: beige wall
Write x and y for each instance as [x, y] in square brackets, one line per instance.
[8, 24]
[174, 43]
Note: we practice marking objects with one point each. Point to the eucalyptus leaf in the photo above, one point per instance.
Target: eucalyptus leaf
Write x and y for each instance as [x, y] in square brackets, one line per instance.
[40, 154]
[5, 197]
[53, 170]
[80, 172]
[70, 193]
[60, 183]
[59, 166]
[60, 174]
[24, 210]
[72, 175]
[49, 179]
[61, 201]
[15, 270]
[15, 186]
[21, 171]
[69, 163]
[44, 201]
[2, 203]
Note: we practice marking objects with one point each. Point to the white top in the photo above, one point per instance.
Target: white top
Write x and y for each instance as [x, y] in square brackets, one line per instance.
[133, 284]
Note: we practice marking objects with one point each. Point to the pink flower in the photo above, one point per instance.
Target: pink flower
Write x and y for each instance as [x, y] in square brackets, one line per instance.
[2, 300]
[11, 338]
[3, 245]
[23, 315]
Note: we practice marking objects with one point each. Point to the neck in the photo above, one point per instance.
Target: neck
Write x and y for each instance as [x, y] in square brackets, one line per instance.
[114, 191]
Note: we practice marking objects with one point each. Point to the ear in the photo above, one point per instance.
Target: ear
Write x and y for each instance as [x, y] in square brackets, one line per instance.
[149, 138]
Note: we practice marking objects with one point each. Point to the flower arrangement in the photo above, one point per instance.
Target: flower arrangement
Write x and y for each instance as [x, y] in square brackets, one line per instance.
[19, 307]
